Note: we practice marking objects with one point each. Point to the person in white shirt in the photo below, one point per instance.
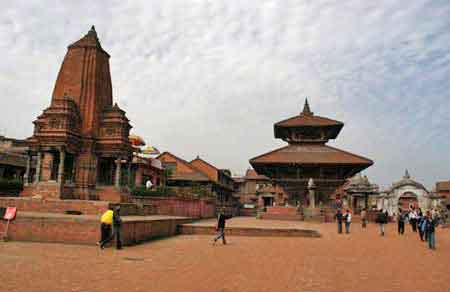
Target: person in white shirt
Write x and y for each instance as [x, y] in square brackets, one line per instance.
[148, 184]
[348, 220]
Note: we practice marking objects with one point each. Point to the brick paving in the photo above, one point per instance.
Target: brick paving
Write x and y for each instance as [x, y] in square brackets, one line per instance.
[361, 261]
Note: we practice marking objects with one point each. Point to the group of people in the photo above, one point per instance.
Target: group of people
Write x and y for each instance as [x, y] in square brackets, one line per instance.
[424, 224]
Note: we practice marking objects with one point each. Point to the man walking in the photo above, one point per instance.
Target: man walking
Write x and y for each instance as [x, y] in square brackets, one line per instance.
[221, 218]
[339, 218]
[117, 224]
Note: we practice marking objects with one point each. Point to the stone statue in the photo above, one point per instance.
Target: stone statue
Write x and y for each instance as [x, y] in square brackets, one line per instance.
[311, 184]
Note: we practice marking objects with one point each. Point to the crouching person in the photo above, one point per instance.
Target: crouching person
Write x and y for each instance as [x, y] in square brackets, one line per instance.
[117, 224]
[106, 221]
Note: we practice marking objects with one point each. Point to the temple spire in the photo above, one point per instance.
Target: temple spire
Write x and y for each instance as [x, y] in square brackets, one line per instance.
[92, 31]
[407, 174]
[306, 110]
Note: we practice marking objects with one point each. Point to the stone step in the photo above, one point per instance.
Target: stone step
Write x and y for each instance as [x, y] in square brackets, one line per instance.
[194, 229]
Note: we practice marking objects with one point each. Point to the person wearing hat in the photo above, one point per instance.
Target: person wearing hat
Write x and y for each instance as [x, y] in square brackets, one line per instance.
[117, 224]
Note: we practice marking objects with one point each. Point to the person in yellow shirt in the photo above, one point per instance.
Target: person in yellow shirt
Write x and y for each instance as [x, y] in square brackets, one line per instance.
[106, 221]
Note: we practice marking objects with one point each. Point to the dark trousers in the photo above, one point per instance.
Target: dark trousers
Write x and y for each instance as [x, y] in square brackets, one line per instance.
[414, 225]
[401, 227]
[421, 234]
[431, 240]
[364, 223]
[105, 231]
[221, 235]
[115, 234]
[339, 227]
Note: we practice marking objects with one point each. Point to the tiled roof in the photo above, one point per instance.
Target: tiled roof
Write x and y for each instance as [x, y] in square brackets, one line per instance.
[189, 176]
[310, 154]
[443, 186]
[308, 120]
[252, 174]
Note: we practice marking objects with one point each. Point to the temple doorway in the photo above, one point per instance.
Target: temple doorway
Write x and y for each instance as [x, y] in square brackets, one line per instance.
[268, 201]
[106, 168]
[408, 200]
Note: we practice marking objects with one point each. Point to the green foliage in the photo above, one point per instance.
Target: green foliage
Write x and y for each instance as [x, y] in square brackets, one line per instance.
[158, 192]
[11, 186]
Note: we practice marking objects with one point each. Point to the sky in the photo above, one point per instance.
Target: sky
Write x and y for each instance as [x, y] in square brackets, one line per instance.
[210, 78]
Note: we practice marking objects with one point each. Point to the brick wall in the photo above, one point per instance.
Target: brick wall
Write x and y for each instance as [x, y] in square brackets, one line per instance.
[55, 206]
[194, 208]
[83, 230]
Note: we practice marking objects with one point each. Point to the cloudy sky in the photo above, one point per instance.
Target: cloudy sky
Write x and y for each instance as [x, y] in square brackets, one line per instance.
[211, 77]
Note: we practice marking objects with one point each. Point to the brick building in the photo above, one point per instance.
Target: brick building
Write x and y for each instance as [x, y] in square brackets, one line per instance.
[443, 190]
[80, 142]
[256, 191]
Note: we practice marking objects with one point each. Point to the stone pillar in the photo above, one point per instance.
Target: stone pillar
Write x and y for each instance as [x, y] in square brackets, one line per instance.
[38, 167]
[27, 171]
[62, 157]
[118, 173]
[312, 193]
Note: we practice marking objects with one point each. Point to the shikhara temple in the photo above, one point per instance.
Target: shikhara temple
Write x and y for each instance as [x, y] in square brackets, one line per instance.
[308, 158]
[81, 140]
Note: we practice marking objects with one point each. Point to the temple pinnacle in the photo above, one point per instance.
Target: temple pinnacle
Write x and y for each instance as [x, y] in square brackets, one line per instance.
[407, 174]
[306, 110]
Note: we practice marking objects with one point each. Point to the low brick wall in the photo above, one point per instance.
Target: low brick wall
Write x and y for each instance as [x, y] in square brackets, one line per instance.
[175, 206]
[72, 229]
[27, 204]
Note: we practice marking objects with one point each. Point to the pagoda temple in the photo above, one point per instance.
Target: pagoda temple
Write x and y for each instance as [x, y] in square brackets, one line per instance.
[308, 158]
[80, 141]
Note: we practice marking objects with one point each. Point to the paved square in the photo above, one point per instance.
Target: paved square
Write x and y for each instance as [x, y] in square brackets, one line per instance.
[361, 261]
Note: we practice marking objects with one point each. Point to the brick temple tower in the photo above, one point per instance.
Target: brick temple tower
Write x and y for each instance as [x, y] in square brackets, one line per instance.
[308, 157]
[81, 139]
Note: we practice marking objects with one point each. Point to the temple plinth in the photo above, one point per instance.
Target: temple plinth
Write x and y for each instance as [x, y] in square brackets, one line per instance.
[80, 137]
[307, 157]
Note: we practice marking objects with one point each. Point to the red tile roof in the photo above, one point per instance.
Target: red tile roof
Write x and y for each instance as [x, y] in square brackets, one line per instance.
[308, 120]
[252, 174]
[310, 154]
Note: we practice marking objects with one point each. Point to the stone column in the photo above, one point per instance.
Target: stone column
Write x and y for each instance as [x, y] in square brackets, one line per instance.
[312, 193]
[118, 173]
[62, 157]
[38, 167]
[27, 170]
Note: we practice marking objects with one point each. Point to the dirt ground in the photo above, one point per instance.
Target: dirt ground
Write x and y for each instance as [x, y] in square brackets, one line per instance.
[361, 261]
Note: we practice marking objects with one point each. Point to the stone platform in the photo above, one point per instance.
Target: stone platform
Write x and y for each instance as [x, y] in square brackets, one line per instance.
[281, 213]
[245, 226]
[85, 229]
